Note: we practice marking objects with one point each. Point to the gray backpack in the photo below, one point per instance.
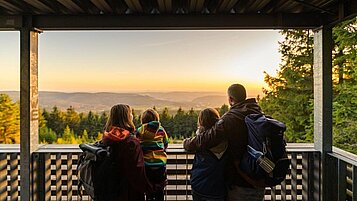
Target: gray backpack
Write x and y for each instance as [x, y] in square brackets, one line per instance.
[97, 172]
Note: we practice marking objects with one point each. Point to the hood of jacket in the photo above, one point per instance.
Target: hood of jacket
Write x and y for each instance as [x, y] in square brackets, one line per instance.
[115, 134]
[152, 127]
[249, 106]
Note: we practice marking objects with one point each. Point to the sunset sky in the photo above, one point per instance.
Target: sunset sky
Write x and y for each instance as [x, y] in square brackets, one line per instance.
[138, 61]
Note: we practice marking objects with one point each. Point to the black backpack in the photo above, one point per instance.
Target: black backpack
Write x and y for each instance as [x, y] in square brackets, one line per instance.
[98, 172]
[266, 158]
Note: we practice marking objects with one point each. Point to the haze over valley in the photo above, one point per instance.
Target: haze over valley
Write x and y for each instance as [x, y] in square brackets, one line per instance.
[103, 101]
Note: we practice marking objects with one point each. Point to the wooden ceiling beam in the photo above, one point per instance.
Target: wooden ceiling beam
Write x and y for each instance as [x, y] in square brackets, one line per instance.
[11, 22]
[102, 5]
[179, 22]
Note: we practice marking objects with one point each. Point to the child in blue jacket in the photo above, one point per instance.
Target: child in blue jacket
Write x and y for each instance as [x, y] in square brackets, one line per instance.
[207, 174]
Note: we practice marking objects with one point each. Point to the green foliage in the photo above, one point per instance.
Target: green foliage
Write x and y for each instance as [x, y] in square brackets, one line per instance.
[184, 123]
[345, 88]
[166, 121]
[9, 121]
[55, 120]
[223, 109]
[47, 135]
[85, 136]
[289, 97]
[290, 94]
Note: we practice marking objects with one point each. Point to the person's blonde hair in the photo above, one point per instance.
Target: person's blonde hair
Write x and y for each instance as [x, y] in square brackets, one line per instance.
[149, 115]
[120, 116]
[207, 118]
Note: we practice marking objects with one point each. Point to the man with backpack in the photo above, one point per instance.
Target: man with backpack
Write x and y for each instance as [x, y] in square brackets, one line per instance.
[232, 128]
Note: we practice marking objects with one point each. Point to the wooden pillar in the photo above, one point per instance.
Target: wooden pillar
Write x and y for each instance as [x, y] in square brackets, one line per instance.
[29, 110]
[323, 104]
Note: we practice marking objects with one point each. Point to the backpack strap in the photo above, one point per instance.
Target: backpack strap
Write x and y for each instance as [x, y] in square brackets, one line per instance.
[80, 183]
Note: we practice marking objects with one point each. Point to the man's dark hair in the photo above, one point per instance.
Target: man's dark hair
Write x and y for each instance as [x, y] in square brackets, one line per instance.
[237, 92]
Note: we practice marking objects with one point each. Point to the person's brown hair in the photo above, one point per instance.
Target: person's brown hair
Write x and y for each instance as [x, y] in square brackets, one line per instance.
[207, 118]
[120, 116]
[149, 115]
[237, 92]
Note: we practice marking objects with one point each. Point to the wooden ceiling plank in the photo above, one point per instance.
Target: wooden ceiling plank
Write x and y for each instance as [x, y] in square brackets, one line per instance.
[199, 5]
[131, 6]
[240, 7]
[223, 5]
[230, 5]
[192, 5]
[269, 6]
[168, 4]
[69, 4]
[137, 5]
[9, 6]
[102, 5]
[310, 5]
[39, 5]
[161, 4]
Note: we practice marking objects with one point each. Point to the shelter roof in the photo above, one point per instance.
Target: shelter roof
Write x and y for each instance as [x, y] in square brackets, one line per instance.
[175, 14]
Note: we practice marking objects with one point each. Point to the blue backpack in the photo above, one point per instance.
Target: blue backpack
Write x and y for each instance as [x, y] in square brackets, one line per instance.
[266, 158]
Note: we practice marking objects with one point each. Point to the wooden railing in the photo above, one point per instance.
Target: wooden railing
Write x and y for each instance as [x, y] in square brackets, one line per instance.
[55, 177]
[344, 179]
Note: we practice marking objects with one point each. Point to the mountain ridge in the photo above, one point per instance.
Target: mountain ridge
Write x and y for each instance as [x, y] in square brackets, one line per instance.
[103, 101]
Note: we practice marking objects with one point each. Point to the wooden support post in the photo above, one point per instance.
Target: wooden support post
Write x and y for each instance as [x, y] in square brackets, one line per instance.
[323, 103]
[29, 110]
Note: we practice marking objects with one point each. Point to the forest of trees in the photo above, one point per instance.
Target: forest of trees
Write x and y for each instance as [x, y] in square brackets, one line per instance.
[71, 127]
[288, 98]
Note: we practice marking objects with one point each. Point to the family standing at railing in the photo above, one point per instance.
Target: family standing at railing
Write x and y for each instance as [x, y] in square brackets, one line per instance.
[134, 166]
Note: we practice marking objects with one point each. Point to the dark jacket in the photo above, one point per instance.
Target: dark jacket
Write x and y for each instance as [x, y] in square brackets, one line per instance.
[230, 127]
[207, 175]
[127, 151]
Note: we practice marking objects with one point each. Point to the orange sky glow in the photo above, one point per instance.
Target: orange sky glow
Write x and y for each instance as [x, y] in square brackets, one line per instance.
[140, 61]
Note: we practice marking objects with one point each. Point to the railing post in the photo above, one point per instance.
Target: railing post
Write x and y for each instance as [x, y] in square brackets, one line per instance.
[29, 111]
[323, 104]
[3, 177]
[41, 176]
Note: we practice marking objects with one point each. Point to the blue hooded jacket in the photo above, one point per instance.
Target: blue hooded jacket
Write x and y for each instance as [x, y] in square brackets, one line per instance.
[207, 174]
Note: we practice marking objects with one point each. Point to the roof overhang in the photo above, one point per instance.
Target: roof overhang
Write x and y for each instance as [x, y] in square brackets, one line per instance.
[173, 14]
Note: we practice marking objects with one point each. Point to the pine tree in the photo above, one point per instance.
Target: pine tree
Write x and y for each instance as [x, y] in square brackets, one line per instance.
[223, 109]
[85, 136]
[56, 121]
[167, 121]
[71, 119]
[289, 97]
[47, 135]
[345, 85]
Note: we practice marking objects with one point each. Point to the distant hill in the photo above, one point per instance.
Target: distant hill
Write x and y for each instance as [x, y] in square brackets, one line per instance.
[211, 101]
[180, 96]
[102, 101]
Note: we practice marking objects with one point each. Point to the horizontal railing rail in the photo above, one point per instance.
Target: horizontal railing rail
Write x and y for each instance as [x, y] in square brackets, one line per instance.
[344, 180]
[55, 176]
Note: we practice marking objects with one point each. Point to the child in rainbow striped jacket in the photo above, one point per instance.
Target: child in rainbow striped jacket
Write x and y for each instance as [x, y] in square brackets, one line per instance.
[154, 140]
